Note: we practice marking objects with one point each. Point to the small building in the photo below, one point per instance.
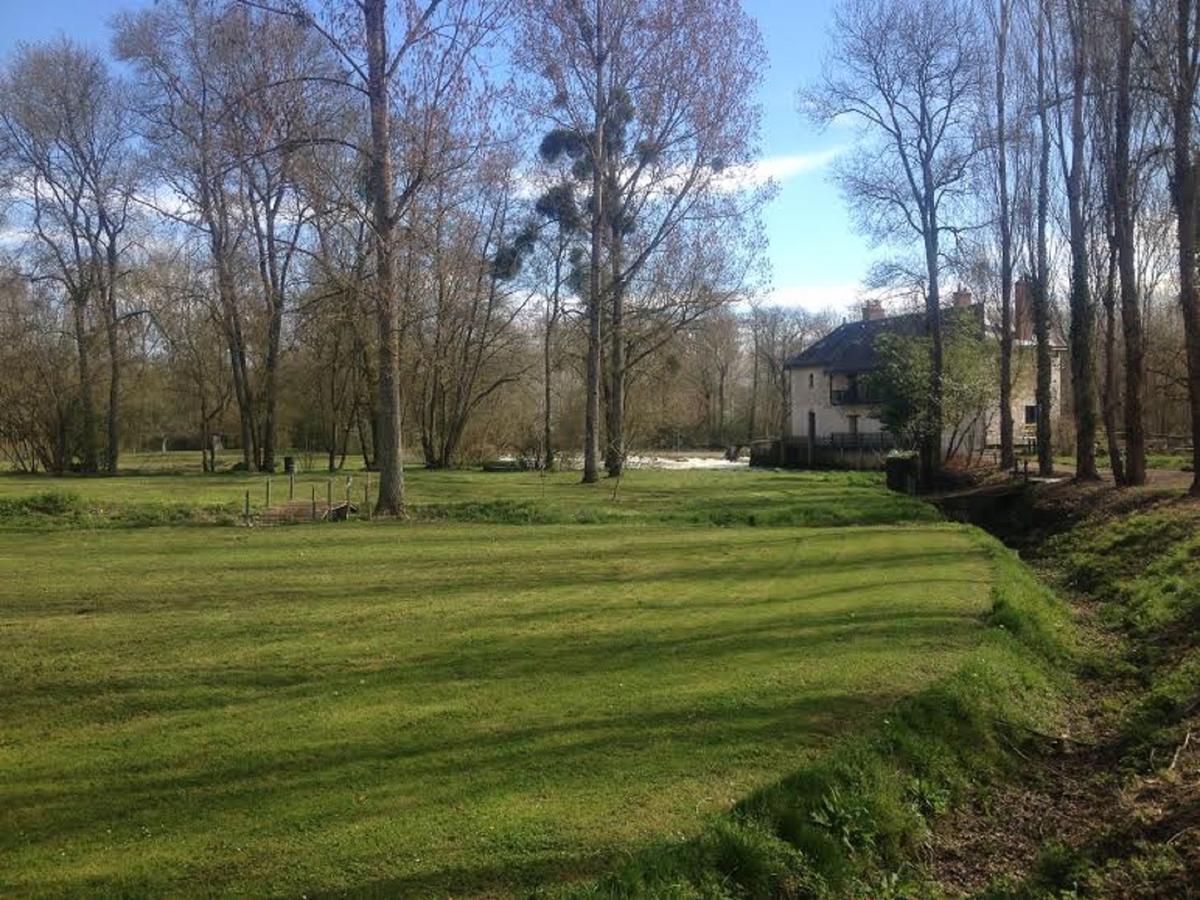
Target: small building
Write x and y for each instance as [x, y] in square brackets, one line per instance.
[833, 419]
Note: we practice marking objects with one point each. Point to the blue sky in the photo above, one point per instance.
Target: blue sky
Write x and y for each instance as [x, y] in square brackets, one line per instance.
[816, 258]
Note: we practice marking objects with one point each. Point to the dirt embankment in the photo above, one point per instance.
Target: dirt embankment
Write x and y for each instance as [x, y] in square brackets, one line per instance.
[1111, 807]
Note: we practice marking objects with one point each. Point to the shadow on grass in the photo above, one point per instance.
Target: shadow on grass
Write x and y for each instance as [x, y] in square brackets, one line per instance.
[517, 764]
[50, 803]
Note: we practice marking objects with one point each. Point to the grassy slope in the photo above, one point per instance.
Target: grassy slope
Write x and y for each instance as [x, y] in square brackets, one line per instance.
[415, 709]
[1118, 817]
[854, 822]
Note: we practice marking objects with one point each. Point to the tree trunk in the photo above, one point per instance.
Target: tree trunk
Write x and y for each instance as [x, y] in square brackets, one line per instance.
[1183, 194]
[931, 443]
[88, 453]
[752, 414]
[1131, 310]
[113, 449]
[213, 211]
[1007, 452]
[236, 345]
[615, 447]
[1041, 283]
[364, 445]
[388, 423]
[270, 390]
[1083, 314]
[241, 392]
[1110, 394]
[547, 372]
[720, 433]
[591, 437]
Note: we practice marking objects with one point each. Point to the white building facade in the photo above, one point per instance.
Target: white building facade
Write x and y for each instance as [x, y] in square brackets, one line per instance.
[829, 393]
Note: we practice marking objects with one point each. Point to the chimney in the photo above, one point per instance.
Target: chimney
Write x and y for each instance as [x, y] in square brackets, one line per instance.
[872, 310]
[1022, 310]
[961, 298]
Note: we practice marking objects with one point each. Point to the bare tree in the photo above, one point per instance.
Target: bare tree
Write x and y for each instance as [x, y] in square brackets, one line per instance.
[1039, 247]
[908, 71]
[1001, 15]
[1083, 311]
[39, 401]
[651, 101]
[410, 63]
[1171, 40]
[278, 72]
[779, 333]
[719, 350]
[467, 345]
[1124, 191]
[180, 51]
[189, 318]
[568, 43]
[63, 122]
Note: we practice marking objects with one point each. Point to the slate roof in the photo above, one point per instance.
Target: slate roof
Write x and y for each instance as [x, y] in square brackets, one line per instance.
[851, 346]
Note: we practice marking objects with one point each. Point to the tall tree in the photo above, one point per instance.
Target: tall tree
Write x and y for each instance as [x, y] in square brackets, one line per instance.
[568, 44]
[1171, 42]
[1083, 311]
[278, 72]
[467, 345]
[1109, 144]
[1124, 192]
[651, 102]
[1039, 248]
[64, 123]
[1002, 26]
[411, 63]
[908, 70]
[180, 52]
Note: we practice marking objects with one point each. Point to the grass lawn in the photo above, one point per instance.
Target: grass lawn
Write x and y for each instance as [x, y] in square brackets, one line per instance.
[446, 707]
[154, 495]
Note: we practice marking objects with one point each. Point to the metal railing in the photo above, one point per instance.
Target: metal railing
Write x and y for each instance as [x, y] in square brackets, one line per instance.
[850, 396]
[872, 440]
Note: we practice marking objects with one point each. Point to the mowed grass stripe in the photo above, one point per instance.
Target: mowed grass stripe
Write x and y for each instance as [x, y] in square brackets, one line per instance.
[439, 708]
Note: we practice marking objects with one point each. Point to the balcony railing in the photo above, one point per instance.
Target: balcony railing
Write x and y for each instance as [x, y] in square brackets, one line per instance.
[850, 397]
[872, 440]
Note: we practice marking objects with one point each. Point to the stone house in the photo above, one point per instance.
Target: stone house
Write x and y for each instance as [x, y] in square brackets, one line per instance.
[833, 419]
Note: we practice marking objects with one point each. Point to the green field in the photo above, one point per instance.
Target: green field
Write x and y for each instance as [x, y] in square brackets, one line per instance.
[447, 707]
[159, 495]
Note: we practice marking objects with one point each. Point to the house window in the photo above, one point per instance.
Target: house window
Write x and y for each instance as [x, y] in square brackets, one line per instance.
[1031, 415]
[811, 381]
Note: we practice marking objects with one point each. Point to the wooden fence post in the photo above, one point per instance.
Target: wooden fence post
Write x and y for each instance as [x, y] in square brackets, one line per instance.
[367, 495]
[314, 503]
[329, 498]
[291, 486]
[246, 513]
[268, 493]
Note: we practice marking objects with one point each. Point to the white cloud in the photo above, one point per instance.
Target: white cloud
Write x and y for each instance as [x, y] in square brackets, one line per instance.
[777, 168]
[533, 181]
